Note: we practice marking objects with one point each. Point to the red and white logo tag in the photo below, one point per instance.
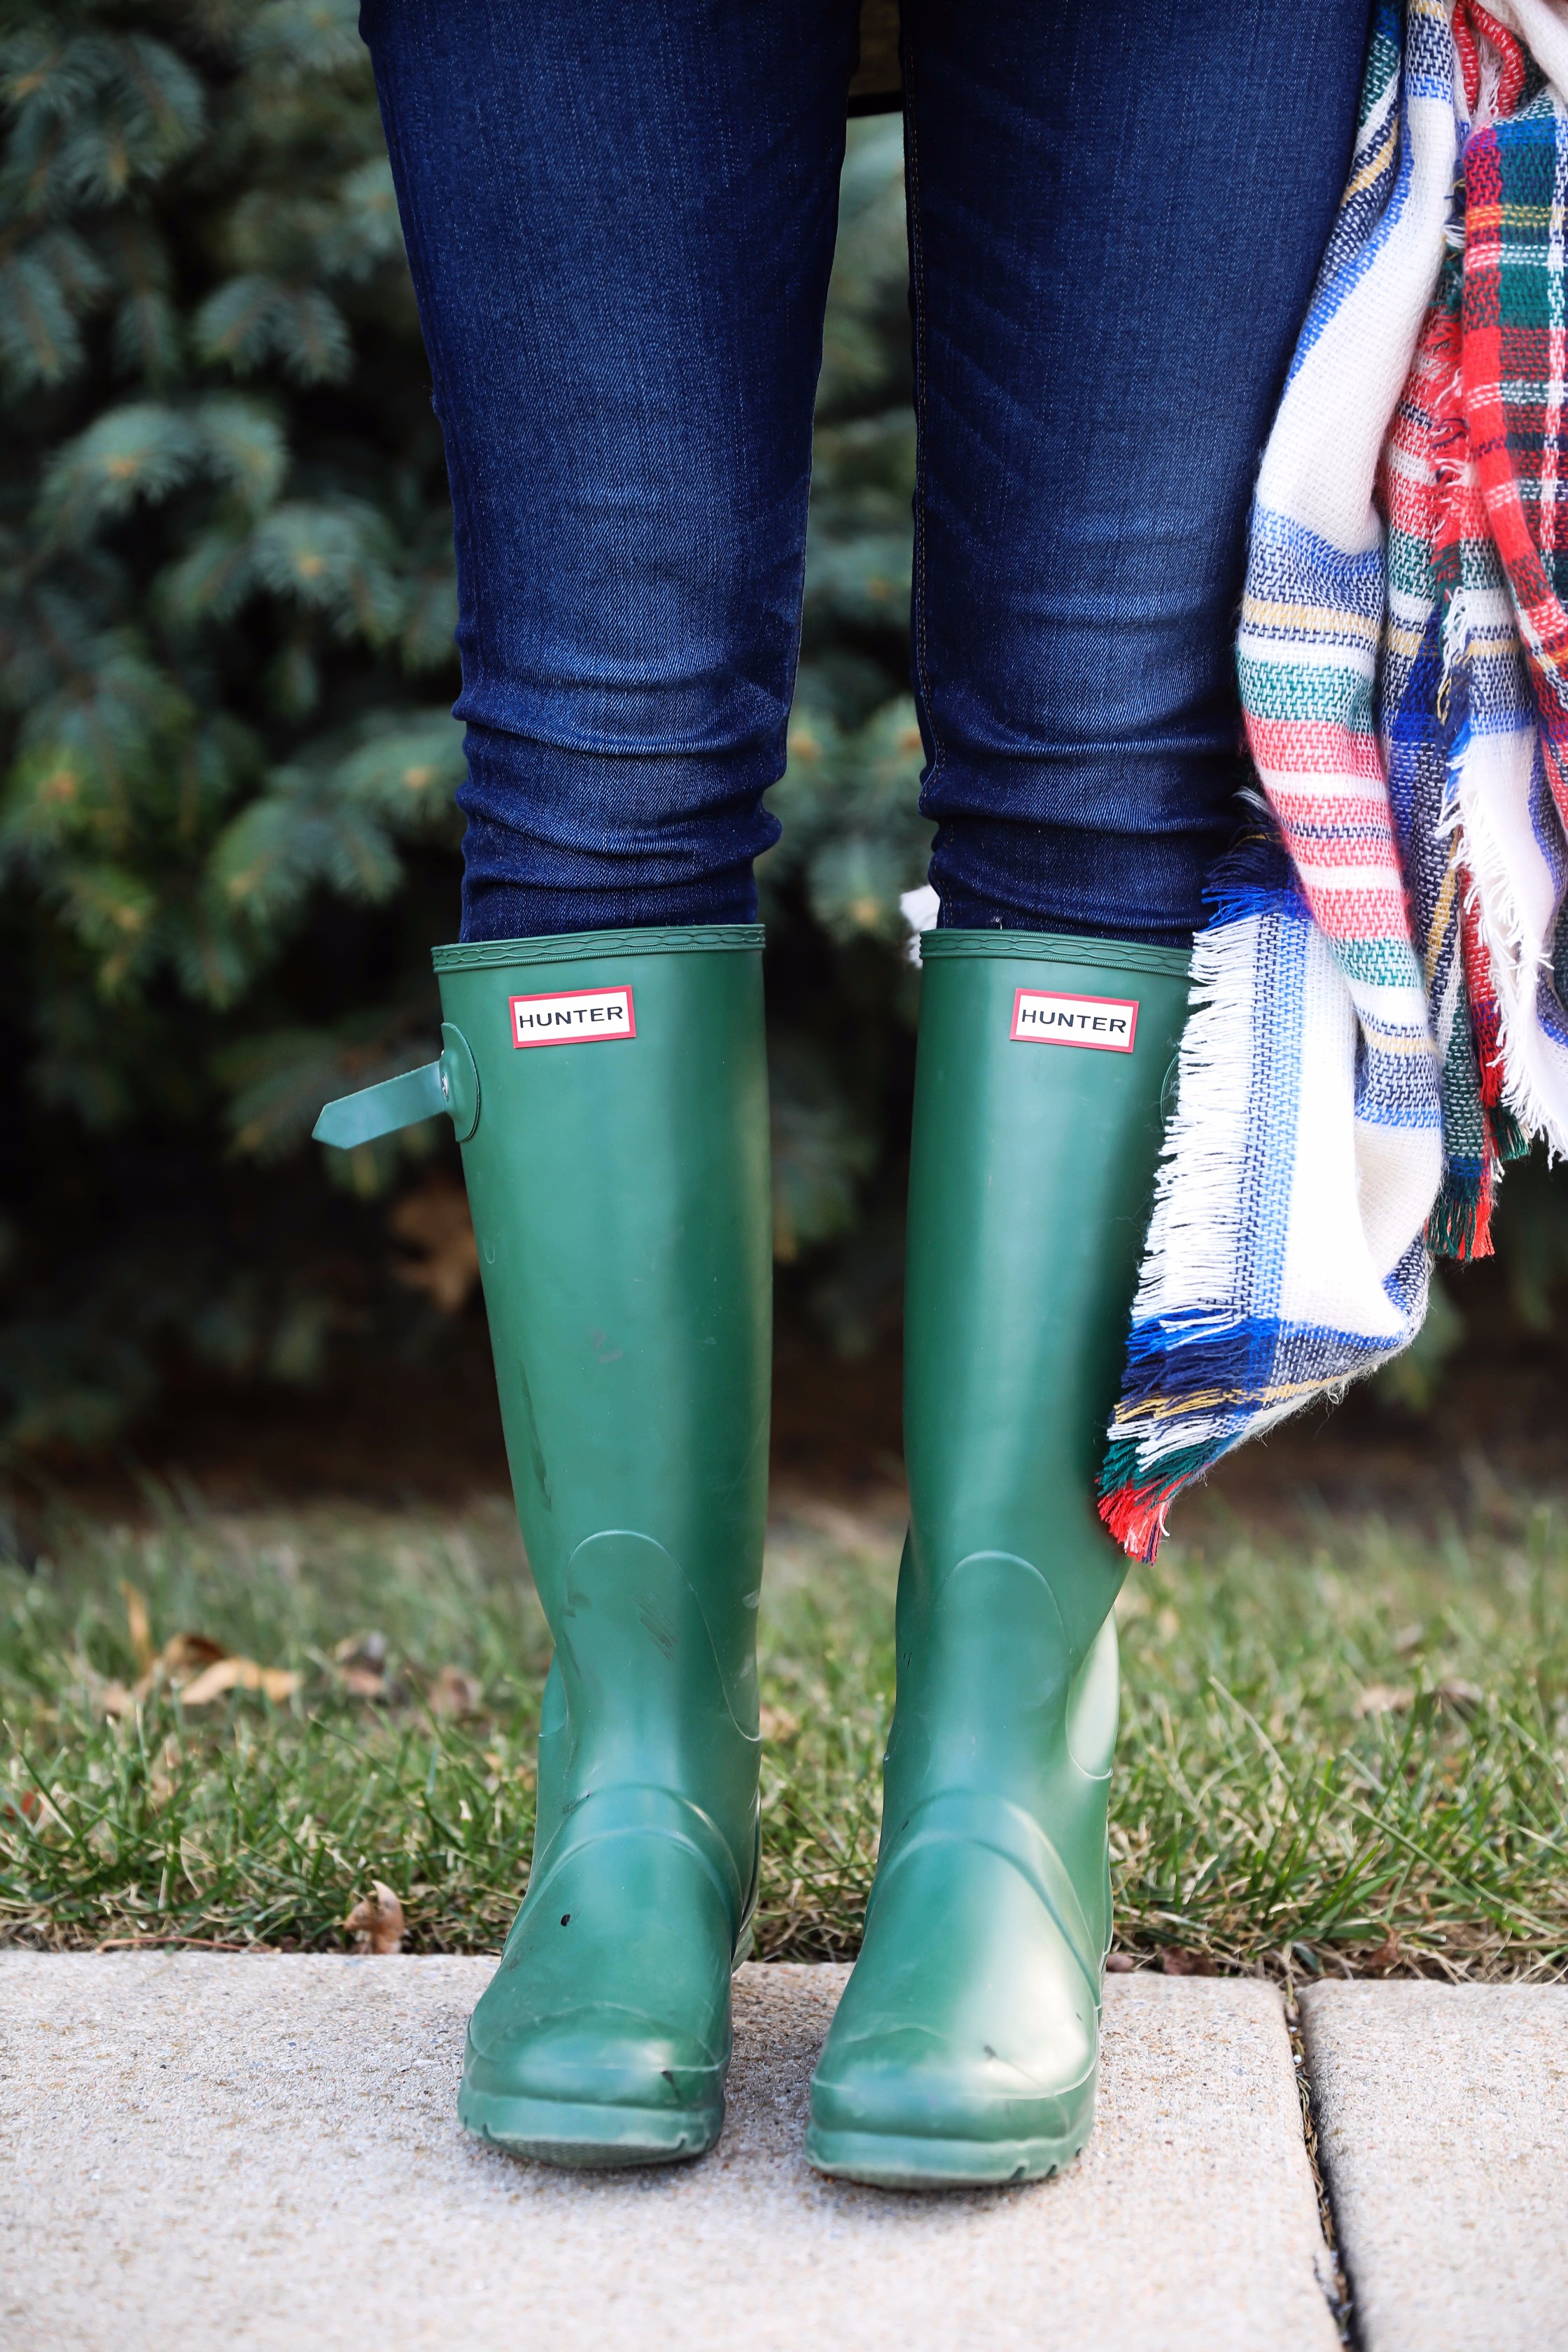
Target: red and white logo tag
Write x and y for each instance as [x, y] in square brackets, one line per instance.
[578, 1016]
[1107, 1024]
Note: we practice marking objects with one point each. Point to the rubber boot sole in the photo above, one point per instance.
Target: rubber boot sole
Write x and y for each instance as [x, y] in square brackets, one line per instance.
[885, 2160]
[882, 2160]
[587, 2136]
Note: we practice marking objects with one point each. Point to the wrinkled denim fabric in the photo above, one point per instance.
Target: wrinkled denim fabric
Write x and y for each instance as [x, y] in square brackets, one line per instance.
[620, 219]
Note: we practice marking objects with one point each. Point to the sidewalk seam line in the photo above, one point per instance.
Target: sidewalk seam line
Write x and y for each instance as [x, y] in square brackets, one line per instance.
[1341, 2302]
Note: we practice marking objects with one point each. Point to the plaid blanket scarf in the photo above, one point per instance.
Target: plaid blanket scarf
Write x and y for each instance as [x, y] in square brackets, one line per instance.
[1377, 1018]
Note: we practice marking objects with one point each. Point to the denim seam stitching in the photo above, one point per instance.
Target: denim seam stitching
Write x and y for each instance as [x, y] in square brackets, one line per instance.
[917, 280]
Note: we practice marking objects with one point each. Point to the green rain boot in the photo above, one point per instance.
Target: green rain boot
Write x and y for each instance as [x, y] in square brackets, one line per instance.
[966, 2046]
[609, 1090]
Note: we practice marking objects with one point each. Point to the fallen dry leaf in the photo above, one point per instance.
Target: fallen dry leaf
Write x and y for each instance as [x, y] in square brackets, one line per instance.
[778, 1724]
[434, 1220]
[360, 1662]
[275, 1683]
[188, 1653]
[454, 1693]
[1387, 1698]
[23, 1806]
[361, 1682]
[180, 1658]
[1177, 1963]
[139, 1625]
[1388, 1954]
[115, 1699]
[1120, 1964]
[1384, 1698]
[378, 1920]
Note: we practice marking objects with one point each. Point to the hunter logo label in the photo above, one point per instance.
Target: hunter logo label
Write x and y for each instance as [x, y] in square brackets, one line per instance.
[1107, 1024]
[578, 1016]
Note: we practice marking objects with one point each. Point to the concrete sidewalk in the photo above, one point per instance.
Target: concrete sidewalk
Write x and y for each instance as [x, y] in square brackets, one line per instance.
[262, 2152]
[217, 2150]
[1442, 2115]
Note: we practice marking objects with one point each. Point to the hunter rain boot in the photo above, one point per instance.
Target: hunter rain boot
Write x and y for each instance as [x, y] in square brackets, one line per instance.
[609, 1090]
[965, 2048]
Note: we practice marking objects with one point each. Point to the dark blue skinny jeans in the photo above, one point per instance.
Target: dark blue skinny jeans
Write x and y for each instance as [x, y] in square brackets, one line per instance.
[620, 215]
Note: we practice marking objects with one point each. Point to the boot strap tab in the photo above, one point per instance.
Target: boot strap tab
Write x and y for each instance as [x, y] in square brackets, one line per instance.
[450, 1084]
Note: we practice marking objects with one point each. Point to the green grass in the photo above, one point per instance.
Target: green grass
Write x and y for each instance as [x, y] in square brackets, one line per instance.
[1265, 1814]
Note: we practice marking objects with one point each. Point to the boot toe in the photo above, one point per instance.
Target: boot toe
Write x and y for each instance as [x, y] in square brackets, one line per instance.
[593, 2087]
[965, 2048]
[906, 2081]
[592, 2046]
[616, 2058]
[903, 2110]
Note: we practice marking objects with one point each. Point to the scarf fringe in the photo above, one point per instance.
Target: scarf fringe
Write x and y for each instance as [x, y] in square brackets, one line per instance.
[1136, 1517]
[1461, 1224]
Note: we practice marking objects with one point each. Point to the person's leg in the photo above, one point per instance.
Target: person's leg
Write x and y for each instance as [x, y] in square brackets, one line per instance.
[1116, 210]
[620, 221]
